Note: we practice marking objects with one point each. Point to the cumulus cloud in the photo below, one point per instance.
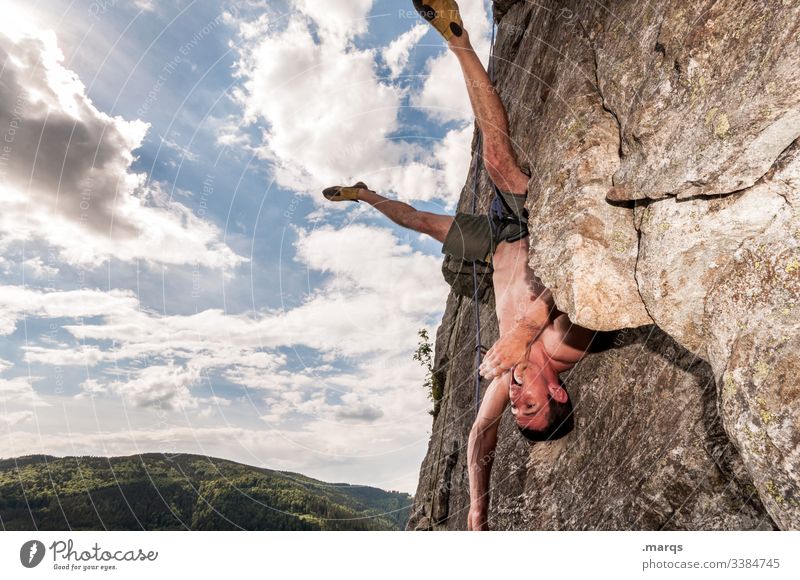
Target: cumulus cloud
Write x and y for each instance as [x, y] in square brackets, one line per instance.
[329, 117]
[65, 169]
[63, 355]
[361, 417]
[162, 386]
[443, 96]
[9, 419]
[359, 412]
[337, 20]
[38, 269]
[369, 305]
[19, 391]
[17, 302]
[92, 387]
[346, 316]
[453, 159]
[396, 54]
[403, 280]
[317, 121]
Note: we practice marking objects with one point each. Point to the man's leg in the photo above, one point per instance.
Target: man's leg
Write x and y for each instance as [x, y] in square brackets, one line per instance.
[498, 155]
[432, 224]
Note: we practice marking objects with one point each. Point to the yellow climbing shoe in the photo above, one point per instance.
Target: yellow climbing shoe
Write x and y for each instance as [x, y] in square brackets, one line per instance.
[344, 193]
[443, 16]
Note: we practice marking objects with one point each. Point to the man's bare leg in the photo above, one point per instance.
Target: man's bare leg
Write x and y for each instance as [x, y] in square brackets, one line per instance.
[432, 224]
[498, 155]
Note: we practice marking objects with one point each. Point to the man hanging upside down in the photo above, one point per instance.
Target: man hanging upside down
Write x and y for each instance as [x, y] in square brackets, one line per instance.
[537, 342]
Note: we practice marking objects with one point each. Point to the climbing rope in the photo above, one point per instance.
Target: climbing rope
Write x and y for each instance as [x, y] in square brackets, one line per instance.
[478, 163]
[445, 407]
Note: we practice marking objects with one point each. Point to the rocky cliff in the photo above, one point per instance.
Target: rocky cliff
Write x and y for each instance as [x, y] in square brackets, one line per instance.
[662, 138]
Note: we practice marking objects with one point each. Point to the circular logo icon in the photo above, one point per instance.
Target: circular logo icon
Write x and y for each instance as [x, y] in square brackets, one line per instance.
[31, 553]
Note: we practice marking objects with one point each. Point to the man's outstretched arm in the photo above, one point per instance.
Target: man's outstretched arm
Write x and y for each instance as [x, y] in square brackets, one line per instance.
[481, 451]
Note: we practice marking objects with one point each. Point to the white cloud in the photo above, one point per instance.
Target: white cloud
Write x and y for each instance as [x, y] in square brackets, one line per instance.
[20, 392]
[347, 316]
[337, 20]
[326, 115]
[358, 412]
[396, 54]
[185, 153]
[17, 302]
[92, 387]
[163, 386]
[443, 96]
[319, 100]
[390, 270]
[38, 269]
[66, 169]
[371, 304]
[145, 5]
[9, 419]
[64, 355]
[376, 436]
[455, 153]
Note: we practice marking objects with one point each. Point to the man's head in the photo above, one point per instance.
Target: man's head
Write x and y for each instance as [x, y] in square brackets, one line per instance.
[540, 404]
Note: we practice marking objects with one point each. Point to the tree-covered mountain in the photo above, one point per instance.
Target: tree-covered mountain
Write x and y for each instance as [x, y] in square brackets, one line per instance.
[176, 492]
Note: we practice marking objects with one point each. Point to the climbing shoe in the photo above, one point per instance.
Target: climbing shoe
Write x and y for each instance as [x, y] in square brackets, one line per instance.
[343, 193]
[443, 16]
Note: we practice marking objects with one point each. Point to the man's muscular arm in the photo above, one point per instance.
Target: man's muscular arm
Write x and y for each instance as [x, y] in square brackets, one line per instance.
[481, 450]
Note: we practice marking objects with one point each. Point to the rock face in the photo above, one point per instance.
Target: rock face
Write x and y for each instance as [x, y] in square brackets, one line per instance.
[662, 140]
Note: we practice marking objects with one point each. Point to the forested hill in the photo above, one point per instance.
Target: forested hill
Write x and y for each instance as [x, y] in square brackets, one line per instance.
[176, 492]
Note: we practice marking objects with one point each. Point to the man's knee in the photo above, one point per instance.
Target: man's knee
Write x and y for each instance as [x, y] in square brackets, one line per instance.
[432, 224]
[496, 174]
[502, 175]
[500, 165]
[505, 173]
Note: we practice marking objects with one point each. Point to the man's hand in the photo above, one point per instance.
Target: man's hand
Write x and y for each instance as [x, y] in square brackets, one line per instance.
[480, 452]
[478, 519]
[510, 350]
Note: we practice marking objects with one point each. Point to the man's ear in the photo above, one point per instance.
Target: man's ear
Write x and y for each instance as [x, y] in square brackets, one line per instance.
[558, 392]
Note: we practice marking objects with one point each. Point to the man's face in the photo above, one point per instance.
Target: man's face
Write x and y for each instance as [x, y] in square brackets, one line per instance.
[528, 392]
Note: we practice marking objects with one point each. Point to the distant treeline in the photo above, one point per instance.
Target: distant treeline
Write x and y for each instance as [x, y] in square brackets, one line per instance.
[179, 492]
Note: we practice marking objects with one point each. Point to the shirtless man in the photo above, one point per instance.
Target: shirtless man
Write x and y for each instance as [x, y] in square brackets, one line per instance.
[537, 342]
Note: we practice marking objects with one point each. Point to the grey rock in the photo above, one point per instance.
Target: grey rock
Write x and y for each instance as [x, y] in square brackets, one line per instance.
[662, 140]
[705, 92]
[582, 247]
[686, 245]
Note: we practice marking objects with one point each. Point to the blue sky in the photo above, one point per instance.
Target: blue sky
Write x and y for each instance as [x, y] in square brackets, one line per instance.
[172, 280]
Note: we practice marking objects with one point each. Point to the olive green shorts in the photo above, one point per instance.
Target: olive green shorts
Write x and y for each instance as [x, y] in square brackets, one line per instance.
[469, 238]
[474, 237]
